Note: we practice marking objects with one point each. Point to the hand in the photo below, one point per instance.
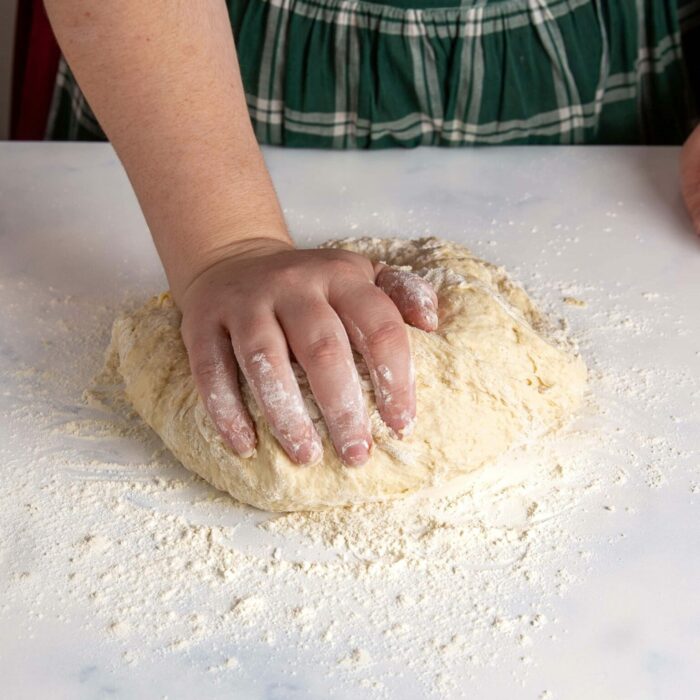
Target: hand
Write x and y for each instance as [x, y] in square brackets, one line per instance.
[690, 177]
[266, 298]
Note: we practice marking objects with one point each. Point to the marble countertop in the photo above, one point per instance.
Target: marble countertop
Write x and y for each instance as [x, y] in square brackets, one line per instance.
[602, 226]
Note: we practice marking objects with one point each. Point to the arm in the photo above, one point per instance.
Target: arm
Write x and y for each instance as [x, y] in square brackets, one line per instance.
[162, 78]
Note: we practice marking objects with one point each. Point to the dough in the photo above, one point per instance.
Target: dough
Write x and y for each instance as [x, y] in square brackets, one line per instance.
[493, 375]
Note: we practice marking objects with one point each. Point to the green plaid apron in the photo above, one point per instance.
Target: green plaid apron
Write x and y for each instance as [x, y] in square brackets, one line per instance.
[356, 74]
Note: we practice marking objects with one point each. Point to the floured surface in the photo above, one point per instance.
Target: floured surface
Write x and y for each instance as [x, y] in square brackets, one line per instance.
[570, 571]
[493, 375]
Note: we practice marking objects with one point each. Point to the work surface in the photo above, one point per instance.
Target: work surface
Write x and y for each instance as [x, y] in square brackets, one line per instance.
[570, 570]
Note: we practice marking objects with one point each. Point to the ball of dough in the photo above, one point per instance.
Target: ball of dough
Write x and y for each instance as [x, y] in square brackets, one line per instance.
[491, 376]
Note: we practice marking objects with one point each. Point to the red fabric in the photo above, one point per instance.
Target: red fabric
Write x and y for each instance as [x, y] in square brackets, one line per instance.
[35, 65]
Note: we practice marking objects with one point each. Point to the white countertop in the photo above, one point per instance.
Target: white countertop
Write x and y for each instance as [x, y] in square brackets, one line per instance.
[616, 580]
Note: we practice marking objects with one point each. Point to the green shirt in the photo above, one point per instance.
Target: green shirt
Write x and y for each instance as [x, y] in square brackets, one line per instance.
[355, 74]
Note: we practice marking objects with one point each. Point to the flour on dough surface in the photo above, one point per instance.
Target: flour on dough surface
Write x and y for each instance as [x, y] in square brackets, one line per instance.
[490, 377]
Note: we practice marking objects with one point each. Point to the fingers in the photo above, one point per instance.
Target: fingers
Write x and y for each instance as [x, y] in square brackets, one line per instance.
[375, 327]
[320, 344]
[347, 302]
[216, 377]
[261, 350]
[414, 297]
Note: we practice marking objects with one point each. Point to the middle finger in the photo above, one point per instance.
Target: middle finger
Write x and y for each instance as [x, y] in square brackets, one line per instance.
[320, 344]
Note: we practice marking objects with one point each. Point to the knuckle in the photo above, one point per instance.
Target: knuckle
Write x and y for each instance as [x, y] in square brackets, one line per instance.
[194, 329]
[326, 350]
[250, 336]
[391, 276]
[205, 369]
[390, 392]
[290, 277]
[399, 396]
[261, 360]
[246, 323]
[345, 266]
[387, 334]
[344, 421]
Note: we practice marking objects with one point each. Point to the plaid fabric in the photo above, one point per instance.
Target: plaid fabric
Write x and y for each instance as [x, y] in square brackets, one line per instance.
[355, 74]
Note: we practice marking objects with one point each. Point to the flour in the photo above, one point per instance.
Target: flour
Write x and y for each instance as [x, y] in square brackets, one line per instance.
[105, 535]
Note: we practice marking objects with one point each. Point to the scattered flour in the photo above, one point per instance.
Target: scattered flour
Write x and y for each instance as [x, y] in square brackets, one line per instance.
[424, 594]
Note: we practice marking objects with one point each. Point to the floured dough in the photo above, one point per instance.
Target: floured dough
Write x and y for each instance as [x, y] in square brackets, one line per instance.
[490, 377]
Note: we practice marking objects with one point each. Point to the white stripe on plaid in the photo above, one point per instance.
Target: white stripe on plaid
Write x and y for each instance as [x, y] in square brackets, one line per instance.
[421, 33]
[415, 40]
[565, 88]
[616, 87]
[83, 118]
[547, 123]
[471, 84]
[272, 70]
[448, 22]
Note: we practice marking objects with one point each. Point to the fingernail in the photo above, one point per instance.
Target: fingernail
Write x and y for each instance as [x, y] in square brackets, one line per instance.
[406, 424]
[244, 448]
[355, 453]
[308, 453]
[241, 441]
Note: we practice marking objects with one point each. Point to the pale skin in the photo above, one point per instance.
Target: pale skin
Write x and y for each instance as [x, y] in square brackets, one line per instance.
[162, 77]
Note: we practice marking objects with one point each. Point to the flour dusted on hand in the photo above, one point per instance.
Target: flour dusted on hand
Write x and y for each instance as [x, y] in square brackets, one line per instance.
[490, 377]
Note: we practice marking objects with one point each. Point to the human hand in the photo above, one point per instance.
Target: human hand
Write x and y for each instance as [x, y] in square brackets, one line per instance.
[266, 298]
[690, 176]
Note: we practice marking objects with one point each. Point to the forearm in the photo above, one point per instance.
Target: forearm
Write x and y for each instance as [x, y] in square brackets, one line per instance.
[162, 78]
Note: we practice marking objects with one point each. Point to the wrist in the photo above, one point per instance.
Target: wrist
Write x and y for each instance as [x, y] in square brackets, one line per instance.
[203, 220]
[236, 249]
